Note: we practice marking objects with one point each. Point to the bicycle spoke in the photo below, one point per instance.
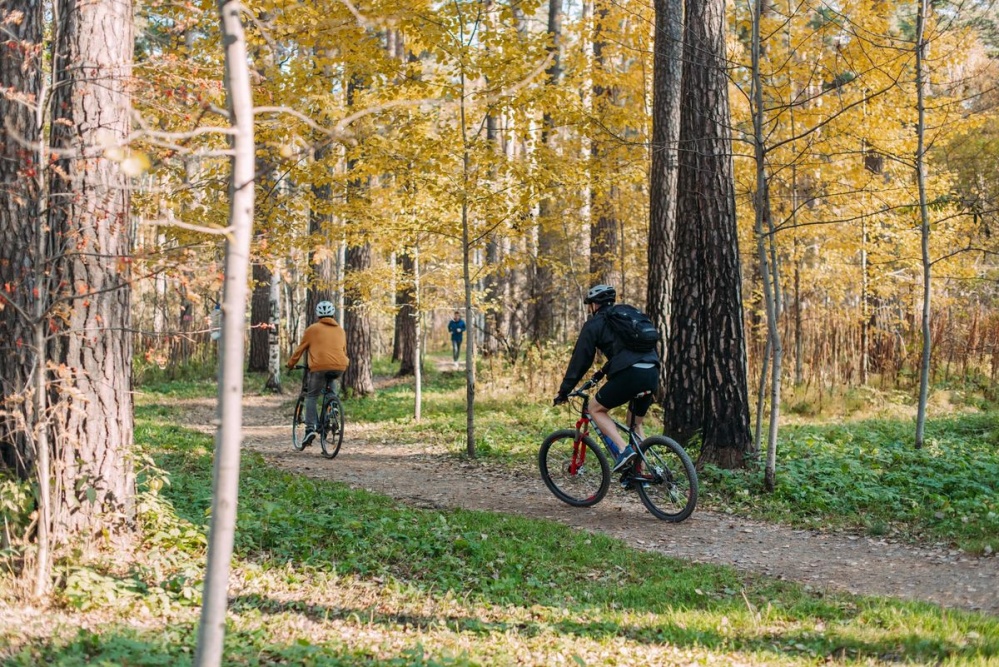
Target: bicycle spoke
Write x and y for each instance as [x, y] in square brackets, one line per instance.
[665, 479]
[576, 472]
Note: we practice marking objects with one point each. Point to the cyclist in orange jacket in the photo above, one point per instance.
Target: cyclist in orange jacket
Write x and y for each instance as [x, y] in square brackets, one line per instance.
[326, 343]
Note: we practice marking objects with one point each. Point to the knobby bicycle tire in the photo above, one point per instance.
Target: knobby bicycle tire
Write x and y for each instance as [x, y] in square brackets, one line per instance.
[665, 479]
[577, 485]
[331, 433]
[298, 425]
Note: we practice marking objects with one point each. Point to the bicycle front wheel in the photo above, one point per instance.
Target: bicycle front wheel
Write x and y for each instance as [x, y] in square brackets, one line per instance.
[665, 479]
[298, 424]
[576, 471]
[331, 435]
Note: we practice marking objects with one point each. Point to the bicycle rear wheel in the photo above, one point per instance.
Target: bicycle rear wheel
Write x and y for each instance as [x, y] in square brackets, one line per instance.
[576, 471]
[665, 479]
[298, 424]
[331, 435]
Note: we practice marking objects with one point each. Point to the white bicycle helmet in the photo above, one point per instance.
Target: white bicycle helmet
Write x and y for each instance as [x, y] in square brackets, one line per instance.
[325, 309]
[601, 294]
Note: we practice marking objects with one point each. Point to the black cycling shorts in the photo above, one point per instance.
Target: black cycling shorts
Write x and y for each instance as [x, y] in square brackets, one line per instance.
[621, 388]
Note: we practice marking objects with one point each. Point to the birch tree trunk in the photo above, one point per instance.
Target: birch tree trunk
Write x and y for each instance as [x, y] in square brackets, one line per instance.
[274, 334]
[211, 631]
[924, 220]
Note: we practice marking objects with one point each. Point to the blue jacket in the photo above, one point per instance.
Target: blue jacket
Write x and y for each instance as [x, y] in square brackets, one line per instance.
[456, 327]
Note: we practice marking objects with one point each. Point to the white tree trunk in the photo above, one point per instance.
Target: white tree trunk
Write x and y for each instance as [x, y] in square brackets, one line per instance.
[274, 337]
[237, 264]
[924, 218]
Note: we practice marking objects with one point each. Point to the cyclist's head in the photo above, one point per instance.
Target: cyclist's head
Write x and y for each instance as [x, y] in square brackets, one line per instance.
[325, 309]
[601, 294]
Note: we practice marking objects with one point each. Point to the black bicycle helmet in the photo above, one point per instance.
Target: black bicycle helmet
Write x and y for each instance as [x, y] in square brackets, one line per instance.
[601, 294]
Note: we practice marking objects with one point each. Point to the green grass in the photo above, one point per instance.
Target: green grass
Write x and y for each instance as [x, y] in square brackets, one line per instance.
[868, 475]
[324, 575]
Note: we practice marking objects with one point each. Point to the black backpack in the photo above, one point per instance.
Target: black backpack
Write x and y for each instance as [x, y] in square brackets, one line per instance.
[633, 328]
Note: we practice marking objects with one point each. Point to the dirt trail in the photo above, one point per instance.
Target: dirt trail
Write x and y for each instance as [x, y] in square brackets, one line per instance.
[422, 476]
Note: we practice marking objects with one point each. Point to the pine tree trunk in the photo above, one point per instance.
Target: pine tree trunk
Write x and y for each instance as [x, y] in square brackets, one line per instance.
[550, 241]
[604, 238]
[89, 220]
[20, 228]
[260, 306]
[405, 319]
[707, 391]
[358, 378]
[668, 67]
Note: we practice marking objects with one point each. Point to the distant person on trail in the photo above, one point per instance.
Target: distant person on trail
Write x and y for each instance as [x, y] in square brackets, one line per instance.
[326, 344]
[457, 327]
[628, 372]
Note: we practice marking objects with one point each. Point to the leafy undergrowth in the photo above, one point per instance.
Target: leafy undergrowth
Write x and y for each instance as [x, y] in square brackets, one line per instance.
[328, 576]
[868, 475]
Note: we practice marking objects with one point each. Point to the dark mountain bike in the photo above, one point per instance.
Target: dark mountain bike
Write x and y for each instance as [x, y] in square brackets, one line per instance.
[330, 413]
[577, 472]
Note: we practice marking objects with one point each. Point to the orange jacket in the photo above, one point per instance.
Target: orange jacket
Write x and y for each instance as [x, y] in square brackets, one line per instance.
[327, 345]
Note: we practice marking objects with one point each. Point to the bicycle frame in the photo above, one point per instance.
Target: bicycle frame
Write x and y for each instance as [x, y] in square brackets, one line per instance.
[583, 429]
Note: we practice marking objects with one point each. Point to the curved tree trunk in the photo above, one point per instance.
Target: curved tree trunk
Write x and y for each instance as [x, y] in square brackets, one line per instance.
[89, 220]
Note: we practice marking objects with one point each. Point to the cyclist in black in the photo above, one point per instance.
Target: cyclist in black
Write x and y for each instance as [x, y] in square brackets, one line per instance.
[628, 372]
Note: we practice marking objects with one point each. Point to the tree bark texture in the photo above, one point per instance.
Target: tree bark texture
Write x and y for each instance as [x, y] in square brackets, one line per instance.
[358, 378]
[550, 240]
[405, 318]
[91, 232]
[667, 78]
[260, 306]
[20, 264]
[604, 238]
[707, 389]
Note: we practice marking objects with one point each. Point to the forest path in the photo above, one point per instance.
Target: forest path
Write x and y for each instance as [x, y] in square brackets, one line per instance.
[426, 476]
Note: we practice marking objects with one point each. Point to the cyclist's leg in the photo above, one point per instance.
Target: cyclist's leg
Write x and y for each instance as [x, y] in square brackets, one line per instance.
[645, 379]
[317, 381]
[615, 392]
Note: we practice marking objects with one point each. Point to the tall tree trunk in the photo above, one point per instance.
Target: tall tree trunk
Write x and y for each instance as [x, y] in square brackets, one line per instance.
[549, 237]
[358, 378]
[405, 318]
[21, 263]
[707, 391]
[274, 334]
[668, 71]
[260, 306]
[221, 535]
[89, 222]
[604, 239]
[924, 221]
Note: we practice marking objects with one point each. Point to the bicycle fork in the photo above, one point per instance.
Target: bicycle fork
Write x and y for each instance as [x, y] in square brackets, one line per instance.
[578, 446]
